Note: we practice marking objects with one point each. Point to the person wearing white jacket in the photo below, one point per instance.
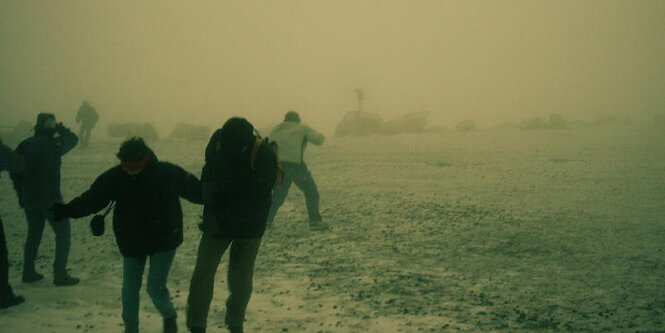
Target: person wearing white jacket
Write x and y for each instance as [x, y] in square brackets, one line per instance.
[292, 138]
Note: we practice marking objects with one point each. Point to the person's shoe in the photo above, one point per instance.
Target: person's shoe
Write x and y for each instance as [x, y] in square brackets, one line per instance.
[65, 280]
[170, 325]
[11, 301]
[318, 226]
[197, 330]
[32, 277]
[233, 329]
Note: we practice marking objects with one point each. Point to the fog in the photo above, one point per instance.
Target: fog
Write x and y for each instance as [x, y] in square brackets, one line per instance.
[171, 61]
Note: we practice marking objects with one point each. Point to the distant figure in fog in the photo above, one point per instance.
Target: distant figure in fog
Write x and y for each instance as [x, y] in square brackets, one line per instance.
[147, 222]
[87, 116]
[238, 176]
[292, 138]
[38, 187]
[12, 162]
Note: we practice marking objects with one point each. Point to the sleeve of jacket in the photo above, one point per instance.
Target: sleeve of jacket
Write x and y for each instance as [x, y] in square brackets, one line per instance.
[313, 136]
[187, 185]
[98, 196]
[17, 175]
[68, 141]
[10, 160]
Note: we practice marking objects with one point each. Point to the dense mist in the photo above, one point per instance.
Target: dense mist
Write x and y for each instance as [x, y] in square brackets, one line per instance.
[172, 61]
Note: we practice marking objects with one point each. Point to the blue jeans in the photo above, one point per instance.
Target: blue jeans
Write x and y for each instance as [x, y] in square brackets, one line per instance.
[36, 217]
[132, 276]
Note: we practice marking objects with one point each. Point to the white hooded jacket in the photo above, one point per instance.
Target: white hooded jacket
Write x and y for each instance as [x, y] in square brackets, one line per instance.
[292, 138]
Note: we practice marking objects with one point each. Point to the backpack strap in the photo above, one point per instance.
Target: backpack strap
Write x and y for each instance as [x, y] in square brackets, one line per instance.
[255, 151]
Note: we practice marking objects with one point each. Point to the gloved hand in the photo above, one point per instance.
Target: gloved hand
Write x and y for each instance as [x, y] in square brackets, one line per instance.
[60, 128]
[59, 211]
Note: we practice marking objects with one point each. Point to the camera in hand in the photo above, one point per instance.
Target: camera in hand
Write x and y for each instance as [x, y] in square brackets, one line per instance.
[97, 225]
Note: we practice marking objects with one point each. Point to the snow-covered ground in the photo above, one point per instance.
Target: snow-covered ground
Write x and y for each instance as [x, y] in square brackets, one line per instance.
[491, 231]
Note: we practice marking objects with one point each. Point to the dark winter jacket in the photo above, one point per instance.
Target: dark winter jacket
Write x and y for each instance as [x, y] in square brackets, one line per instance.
[39, 183]
[9, 160]
[237, 195]
[147, 217]
[87, 116]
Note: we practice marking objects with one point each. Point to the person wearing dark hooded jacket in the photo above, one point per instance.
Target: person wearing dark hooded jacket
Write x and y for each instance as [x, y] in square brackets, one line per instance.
[238, 176]
[13, 162]
[147, 222]
[38, 187]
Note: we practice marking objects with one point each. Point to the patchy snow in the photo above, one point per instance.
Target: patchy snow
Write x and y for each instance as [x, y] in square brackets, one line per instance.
[495, 231]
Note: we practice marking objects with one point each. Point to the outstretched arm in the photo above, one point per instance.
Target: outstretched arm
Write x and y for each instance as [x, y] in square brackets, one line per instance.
[313, 136]
[187, 185]
[93, 200]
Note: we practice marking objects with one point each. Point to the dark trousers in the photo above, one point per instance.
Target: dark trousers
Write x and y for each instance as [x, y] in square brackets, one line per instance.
[84, 135]
[5, 289]
[240, 277]
[296, 173]
[36, 217]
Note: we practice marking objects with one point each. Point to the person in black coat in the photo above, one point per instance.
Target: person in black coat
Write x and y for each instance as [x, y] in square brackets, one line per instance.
[13, 162]
[38, 187]
[238, 177]
[88, 117]
[147, 222]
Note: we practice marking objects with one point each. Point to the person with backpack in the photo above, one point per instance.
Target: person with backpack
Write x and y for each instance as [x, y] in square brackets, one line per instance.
[38, 187]
[238, 177]
[12, 162]
[147, 222]
[292, 138]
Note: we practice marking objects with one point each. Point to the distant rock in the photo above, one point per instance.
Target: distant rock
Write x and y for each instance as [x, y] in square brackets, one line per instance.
[126, 130]
[358, 123]
[465, 126]
[556, 121]
[410, 123]
[190, 132]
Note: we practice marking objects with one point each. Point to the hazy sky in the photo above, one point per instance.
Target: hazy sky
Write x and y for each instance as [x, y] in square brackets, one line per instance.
[493, 61]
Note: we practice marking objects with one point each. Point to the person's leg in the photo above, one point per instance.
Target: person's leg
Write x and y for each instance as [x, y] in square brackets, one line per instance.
[5, 289]
[132, 276]
[279, 195]
[240, 276]
[88, 131]
[160, 265]
[203, 280]
[63, 236]
[35, 218]
[305, 182]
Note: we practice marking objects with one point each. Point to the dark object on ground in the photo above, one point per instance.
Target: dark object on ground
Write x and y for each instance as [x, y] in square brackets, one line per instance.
[410, 123]
[127, 130]
[190, 132]
[465, 126]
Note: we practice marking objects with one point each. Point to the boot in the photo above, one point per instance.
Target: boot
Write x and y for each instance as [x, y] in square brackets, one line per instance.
[65, 280]
[11, 301]
[197, 330]
[234, 329]
[170, 325]
[32, 277]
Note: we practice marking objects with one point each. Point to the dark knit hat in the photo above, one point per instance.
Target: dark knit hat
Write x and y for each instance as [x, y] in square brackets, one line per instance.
[133, 150]
[42, 118]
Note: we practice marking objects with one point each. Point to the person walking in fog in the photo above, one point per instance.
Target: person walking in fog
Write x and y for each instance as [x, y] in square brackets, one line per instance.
[88, 117]
[238, 176]
[147, 222]
[13, 162]
[292, 138]
[38, 187]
